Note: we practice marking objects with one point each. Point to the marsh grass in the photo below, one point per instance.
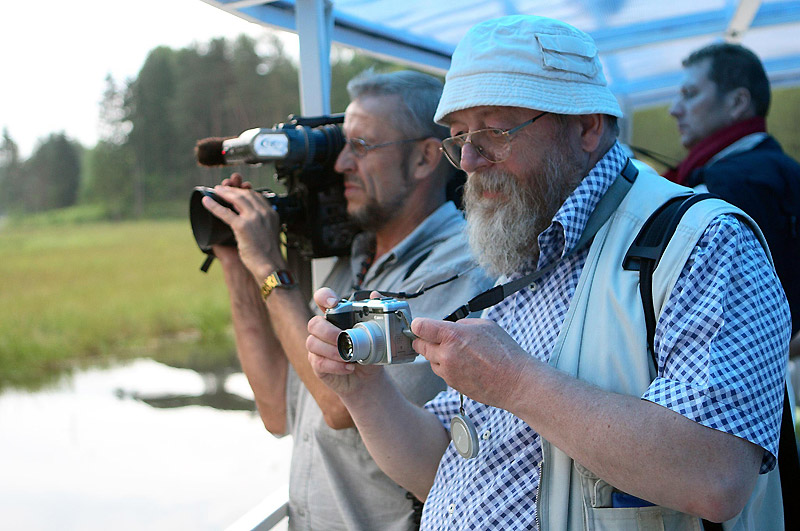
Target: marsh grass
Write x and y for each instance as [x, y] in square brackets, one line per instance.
[73, 294]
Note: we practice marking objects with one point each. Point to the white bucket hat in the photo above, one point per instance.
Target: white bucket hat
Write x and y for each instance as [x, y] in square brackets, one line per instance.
[526, 61]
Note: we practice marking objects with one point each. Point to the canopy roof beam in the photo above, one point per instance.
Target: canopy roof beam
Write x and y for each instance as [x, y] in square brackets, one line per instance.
[741, 20]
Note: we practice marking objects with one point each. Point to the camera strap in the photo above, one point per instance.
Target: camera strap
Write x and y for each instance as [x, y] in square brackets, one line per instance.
[462, 430]
[605, 208]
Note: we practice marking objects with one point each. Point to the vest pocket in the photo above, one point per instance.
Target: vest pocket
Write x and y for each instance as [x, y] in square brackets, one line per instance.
[600, 514]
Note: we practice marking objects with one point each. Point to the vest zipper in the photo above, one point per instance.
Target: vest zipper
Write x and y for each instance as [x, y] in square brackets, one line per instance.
[539, 494]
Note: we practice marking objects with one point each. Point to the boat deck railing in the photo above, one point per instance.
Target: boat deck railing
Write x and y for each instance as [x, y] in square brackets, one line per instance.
[271, 513]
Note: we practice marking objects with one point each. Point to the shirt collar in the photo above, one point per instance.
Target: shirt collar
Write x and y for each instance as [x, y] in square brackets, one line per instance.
[570, 221]
[438, 225]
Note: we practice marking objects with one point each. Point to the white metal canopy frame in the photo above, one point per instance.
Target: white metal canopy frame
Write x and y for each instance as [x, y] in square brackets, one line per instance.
[641, 42]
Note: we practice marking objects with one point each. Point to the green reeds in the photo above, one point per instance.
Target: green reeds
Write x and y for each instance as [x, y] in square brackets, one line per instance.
[72, 294]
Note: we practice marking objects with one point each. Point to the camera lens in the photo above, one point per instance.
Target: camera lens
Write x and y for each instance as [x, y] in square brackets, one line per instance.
[364, 343]
[208, 230]
[345, 345]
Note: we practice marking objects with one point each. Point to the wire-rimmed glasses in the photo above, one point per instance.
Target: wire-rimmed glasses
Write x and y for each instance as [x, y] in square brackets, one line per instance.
[361, 148]
[492, 144]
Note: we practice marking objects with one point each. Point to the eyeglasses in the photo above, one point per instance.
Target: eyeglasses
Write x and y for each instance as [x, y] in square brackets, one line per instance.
[361, 148]
[492, 144]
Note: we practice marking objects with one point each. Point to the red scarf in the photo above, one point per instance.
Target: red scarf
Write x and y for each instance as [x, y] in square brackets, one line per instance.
[711, 145]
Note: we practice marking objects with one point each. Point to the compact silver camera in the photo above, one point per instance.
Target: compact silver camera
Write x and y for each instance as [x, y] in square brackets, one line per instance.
[375, 331]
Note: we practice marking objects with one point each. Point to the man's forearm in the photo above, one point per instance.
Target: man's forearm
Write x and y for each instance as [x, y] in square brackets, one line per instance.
[405, 440]
[638, 446]
[289, 315]
[260, 354]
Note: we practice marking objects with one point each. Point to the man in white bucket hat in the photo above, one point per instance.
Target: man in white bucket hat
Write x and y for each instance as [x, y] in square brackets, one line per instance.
[555, 416]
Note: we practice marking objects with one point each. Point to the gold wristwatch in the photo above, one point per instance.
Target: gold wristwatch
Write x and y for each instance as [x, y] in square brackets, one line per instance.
[278, 279]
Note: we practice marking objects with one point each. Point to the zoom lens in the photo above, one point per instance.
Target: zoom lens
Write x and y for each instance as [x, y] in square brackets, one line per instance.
[364, 343]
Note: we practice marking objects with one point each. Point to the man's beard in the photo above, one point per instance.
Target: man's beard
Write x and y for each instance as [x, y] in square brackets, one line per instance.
[374, 214]
[503, 234]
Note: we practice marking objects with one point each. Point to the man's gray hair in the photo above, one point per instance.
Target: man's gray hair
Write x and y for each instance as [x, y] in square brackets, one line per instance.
[419, 93]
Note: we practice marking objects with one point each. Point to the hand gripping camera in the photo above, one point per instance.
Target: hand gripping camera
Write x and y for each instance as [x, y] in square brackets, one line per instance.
[374, 331]
[313, 212]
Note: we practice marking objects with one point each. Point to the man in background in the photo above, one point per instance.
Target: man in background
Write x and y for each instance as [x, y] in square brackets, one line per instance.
[721, 112]
[395, 180]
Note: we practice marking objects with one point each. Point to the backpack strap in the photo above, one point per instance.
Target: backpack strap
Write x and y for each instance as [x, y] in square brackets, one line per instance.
[643, 255]
[646, 250]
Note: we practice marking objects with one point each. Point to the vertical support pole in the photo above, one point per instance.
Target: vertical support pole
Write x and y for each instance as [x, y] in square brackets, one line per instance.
[314, 22]
[314, 25]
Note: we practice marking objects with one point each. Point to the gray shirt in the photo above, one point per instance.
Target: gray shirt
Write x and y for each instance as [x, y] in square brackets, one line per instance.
[334, 483]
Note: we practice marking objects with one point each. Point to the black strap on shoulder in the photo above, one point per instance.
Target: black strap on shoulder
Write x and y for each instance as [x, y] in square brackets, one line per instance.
[646, 250]
[644, 255]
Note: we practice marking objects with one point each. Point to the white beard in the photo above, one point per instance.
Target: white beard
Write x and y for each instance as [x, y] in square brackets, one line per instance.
[503, 233]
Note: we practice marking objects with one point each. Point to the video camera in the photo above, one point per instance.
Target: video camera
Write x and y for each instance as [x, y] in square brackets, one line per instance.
[313, 212]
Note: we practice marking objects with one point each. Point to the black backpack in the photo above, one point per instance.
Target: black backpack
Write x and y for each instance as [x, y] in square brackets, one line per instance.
[644, 255]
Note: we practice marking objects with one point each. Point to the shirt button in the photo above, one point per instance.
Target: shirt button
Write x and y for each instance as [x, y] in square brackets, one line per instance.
[301, 512]
[451, 508]
[305, 437]
[486, 435]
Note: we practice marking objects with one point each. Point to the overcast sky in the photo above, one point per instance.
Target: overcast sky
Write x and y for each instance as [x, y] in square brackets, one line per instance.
[56, 54]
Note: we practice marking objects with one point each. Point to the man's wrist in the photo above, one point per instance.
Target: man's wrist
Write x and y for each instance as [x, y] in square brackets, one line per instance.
[372, 384]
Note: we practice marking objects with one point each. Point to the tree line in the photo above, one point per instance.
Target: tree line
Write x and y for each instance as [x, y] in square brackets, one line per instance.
[144, 161]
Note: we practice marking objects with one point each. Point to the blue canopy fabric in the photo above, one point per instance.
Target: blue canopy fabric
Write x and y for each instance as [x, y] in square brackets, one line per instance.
[641, 42]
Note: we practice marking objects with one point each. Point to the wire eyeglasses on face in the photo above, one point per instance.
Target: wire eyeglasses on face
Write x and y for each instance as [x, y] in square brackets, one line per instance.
[361, 148]
[492, 144]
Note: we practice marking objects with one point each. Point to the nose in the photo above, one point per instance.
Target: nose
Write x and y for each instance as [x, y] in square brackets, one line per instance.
[471, 160]
[346, 161]
[676, 108]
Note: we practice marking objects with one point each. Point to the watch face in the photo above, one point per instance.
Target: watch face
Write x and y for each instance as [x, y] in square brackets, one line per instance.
[284, 277]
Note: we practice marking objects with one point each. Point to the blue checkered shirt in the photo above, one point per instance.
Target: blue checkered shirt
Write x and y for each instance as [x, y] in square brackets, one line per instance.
[721, 347]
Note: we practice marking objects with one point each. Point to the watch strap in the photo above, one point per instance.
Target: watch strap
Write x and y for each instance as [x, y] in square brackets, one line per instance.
[277, 279]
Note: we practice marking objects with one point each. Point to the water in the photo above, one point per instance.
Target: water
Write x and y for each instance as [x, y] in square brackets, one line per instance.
[108, 449]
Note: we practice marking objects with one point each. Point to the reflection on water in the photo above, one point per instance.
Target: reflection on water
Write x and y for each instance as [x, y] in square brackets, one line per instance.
[141, 446]
[214, 395]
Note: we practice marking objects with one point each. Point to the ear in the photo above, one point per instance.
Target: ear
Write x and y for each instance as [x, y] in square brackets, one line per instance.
[426, 157]
[739, 104]
[592, 128]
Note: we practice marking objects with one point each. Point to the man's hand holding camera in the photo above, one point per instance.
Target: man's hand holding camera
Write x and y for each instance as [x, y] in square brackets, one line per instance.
[323, 353]
[475, 356]
[255, 225]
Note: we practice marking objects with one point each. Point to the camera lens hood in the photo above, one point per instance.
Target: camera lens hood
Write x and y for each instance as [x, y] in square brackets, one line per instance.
[207, 228]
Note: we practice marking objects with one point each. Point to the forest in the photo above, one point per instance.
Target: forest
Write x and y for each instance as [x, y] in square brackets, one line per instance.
[144, 163]
[99, 260]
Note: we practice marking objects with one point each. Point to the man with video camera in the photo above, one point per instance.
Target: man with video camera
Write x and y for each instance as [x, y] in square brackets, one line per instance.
[395, 180]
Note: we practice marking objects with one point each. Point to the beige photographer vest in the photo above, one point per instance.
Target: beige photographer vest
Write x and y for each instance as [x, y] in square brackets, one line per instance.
[603, 342]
